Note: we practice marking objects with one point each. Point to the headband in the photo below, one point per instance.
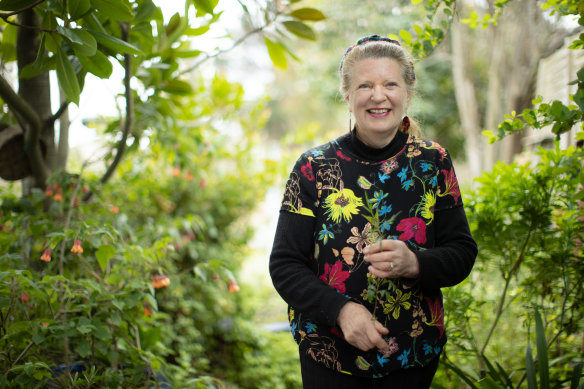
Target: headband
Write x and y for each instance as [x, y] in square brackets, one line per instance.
[371, 38]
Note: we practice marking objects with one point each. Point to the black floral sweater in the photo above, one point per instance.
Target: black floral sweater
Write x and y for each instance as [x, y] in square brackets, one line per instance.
[344, 195]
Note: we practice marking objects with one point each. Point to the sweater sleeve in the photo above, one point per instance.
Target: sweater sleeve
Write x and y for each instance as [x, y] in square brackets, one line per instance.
[293, 268]
[453, 256]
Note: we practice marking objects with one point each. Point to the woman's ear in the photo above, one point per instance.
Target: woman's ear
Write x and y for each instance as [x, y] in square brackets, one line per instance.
[348, 103]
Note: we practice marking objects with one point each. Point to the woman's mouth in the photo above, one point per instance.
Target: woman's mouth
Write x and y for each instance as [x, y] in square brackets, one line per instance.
[379, 112]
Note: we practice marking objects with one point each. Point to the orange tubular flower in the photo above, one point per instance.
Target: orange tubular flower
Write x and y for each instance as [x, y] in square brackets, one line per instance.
[160, 281]
[233, 287]
[46, 257]
[176, 171]
[48, 191]
[77, 249]
[24, 297]
[114, 209]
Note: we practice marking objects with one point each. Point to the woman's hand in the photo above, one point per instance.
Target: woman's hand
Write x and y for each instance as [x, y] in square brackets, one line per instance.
[360, 329]
[391, 259]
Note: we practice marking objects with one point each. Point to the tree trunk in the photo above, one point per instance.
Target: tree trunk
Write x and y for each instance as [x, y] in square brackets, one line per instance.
[466, 98]
[36, 91]
[63, 146]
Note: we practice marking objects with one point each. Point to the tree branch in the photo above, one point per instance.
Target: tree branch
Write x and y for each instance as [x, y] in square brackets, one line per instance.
[6, 15]
[31, 129]
[51, 121]
[129, 121]
[219, 52]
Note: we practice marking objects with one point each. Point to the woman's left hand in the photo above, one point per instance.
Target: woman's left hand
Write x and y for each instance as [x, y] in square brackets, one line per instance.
[391, 259]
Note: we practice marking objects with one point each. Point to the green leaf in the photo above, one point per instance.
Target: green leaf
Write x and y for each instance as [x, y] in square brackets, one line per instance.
[15, 5]
[308, 14]
[276, 53]
[300, 29]
[104, 254]
[542, 356]
[178, 87]
[576, 376]
[81, 41]
[530, 369]
[67, 77]
[405, 36]
[83, 348]
[38, 338]
[115, 44]
[118, 10]
[206, 6]
[98, 64]
[78, 8]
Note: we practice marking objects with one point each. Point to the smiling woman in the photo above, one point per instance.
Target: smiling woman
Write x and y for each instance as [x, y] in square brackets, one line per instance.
[371, 227]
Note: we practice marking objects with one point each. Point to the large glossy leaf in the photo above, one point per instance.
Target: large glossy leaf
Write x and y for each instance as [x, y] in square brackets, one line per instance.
[67, 77]
[42, 62]
[97, 64]
[15, 5]
[81, 41]
[119, 10]
[308, 14]
[115, 44]
[300, 29]
[530, 369]
[277, 53]
[78, 8]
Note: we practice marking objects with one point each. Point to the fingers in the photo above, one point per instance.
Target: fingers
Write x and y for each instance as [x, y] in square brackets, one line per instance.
[359, 329]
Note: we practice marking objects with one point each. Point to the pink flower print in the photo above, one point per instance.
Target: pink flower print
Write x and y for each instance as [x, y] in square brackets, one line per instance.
[342, 156]
[451, 183]
[413, 227]
[334, 276]
[307, 171]
[437, 313]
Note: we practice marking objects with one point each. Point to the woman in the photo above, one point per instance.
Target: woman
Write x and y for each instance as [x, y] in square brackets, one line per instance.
[371, 227]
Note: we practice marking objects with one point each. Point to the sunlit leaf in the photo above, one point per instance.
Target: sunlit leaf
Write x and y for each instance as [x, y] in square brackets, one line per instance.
[276, 53]
[308, 14]
[178, 87]
[300, 29]
[207, 6]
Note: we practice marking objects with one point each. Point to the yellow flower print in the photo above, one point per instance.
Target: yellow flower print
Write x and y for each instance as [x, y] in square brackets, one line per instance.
[395, 304]
[428, 205]
[343, 204]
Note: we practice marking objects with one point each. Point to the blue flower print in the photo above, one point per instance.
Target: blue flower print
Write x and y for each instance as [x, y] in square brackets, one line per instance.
[316, 153]
[434, 181]
[426, 166]
[407, 185]
[325, 234]
[427, 349]
[402, 174]
[310, 327]
[378, 196]
[404, 357]
[382, 177]
[293, 328]
[382, 360]
[385, 226]
[384, 209]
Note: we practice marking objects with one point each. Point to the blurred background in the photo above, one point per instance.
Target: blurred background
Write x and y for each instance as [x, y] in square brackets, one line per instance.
[144, 149]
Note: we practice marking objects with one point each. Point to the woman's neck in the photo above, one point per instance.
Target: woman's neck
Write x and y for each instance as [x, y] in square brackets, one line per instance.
[377, 142]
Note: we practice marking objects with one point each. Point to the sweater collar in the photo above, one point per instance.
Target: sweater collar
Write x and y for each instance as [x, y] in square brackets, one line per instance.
[355, 146]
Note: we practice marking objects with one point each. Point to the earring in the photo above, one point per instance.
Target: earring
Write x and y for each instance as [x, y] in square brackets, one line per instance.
[350, 126]
[405, 124]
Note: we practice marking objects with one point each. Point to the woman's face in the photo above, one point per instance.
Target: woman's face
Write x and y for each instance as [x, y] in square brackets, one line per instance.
[378, 97]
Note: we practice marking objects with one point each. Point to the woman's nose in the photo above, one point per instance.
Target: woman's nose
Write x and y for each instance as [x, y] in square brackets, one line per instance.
[377, 94]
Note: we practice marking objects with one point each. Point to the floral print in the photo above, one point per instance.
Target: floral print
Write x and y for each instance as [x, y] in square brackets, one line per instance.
[356, 202]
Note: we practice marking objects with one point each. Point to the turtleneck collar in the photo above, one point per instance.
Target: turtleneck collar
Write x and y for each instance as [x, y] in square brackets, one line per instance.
[368, 153]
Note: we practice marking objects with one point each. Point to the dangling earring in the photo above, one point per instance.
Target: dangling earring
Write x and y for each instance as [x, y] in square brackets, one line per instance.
[405, 124]
[350, 126]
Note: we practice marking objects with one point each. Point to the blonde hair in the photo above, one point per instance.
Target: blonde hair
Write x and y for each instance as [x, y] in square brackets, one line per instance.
[380, 48]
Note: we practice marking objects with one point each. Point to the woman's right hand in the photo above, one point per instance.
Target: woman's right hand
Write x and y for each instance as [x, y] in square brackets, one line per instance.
[360, 329]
